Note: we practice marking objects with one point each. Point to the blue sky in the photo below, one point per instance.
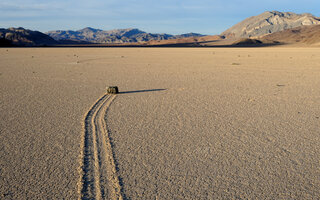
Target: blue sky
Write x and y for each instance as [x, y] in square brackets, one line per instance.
[155, 16]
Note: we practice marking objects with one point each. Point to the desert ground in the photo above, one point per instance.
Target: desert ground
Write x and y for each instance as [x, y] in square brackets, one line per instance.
[189, 123]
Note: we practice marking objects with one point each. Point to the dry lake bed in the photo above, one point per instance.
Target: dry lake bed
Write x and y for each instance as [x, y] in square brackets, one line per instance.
[189, 123]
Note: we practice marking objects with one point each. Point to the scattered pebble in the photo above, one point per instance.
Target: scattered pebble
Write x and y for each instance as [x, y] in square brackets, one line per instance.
[235, 64]
[280, 85]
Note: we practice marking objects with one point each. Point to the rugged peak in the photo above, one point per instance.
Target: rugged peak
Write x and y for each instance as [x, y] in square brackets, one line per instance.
[131, 31]
[269, 22]
[190, 35]
[128, 32]
[274, 12]
[89, 29]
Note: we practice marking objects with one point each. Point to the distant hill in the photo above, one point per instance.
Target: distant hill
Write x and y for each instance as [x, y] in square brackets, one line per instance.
[119, 36]
[187, 41]
[269, 22]
[25, 37]
[247, 42]
[306, 35]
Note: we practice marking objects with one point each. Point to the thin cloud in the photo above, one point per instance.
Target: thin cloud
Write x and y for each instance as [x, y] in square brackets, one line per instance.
[10, 7]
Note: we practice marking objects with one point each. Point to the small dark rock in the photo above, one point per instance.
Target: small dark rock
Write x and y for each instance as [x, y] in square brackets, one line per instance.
[112, 90]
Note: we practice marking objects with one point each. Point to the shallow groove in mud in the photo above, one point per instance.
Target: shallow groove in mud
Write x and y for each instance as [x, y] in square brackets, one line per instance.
[99, 179]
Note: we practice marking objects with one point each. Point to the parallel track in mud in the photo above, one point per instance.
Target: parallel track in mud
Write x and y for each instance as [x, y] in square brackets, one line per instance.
[98, 175]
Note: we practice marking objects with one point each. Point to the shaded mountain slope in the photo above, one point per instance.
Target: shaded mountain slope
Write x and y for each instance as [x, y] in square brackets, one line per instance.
[25, 37]
[307, 35]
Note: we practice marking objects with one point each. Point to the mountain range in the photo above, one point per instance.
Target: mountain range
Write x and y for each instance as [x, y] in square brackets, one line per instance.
[130, 35]
[271, 27]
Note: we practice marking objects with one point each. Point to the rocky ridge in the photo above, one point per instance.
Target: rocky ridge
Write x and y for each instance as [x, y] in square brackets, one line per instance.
[269, 22]
[24, 37]
[130, 35]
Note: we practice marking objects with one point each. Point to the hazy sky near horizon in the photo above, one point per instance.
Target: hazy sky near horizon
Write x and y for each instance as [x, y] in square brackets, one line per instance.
[166, 16]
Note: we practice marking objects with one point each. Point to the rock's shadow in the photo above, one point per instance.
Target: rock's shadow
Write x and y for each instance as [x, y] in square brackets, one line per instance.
[138, 91]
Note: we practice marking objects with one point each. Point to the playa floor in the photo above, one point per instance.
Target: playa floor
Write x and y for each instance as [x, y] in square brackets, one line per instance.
[190, 123]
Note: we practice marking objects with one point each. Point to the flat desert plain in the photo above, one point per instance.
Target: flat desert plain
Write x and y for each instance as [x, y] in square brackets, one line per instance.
[189, 123]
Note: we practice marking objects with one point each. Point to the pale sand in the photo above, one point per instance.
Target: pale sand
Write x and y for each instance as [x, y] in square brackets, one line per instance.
[230, 124]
